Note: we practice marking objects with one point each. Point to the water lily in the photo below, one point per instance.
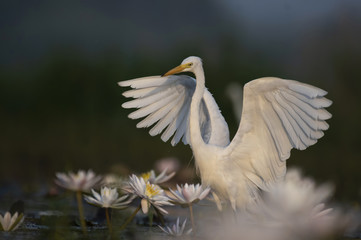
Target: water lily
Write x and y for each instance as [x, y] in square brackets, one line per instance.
[78, 182]
[114, 181]
[10, 223]
[150, 177]
[189, 194]
[295, 196]
[154, 179]
[150, 194]
[108, 198]
[186, 195]
[296, 206]
[170, 164]
[176, 230]
[81, 181]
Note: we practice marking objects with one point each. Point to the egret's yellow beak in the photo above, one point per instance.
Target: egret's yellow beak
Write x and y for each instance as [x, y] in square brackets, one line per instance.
[176, 70]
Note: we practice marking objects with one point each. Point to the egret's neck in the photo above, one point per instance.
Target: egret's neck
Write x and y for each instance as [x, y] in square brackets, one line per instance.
[195, 131]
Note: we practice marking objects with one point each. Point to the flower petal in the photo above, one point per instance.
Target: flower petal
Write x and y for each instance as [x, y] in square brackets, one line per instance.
[144, 204]
[204, 193]
[7, 219]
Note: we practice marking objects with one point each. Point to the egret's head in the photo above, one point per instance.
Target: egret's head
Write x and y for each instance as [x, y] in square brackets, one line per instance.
[187, 65]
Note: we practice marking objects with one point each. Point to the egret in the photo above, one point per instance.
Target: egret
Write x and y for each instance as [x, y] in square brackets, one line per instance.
[277, 115]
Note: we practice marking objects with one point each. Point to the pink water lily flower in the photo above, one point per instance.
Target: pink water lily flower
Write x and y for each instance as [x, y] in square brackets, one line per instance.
[189, 194]
[82, 181]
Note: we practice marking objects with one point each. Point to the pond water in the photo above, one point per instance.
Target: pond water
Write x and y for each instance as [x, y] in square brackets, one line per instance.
[56, 218]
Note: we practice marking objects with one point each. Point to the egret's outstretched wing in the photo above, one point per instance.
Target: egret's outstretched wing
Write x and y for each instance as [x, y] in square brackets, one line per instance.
[277, 115]
[165, 102]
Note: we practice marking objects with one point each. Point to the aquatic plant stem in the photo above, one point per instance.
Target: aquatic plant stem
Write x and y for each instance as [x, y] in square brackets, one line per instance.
[150, 215]
[130, 218]
[161, 218]
[108, 219]
[192, 218]
[81, 211]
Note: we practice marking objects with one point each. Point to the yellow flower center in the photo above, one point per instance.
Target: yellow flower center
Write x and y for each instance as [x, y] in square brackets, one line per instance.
[151, 190]
[145, 176]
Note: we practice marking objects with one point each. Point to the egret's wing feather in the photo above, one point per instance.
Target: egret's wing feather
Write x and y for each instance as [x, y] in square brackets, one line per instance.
[178, 118]
[146, 82]
[277, 115]
[159, 114]
[165, 102]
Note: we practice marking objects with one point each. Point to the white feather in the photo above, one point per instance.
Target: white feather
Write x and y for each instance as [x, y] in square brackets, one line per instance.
[166, 102]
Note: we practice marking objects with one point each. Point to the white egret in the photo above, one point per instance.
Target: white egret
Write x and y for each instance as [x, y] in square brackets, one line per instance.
[277, 115]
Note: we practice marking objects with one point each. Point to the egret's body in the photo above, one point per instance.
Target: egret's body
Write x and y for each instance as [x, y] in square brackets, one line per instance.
[277, 115]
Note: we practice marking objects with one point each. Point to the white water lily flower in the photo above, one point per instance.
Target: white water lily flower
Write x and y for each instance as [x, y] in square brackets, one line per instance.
[81, 181]
[150, 194]
[295, 196]
[176, 230]
[290, 209]
[296, 206]
[10, 223]
[151, 178]
[154, 179]
[108, 198]
[188, 194]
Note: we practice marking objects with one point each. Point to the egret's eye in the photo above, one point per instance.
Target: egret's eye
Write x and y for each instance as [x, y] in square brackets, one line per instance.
[190, 64]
